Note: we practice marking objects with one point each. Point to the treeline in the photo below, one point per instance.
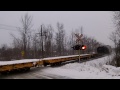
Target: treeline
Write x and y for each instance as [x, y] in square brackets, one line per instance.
[43, 43]
[115, 37]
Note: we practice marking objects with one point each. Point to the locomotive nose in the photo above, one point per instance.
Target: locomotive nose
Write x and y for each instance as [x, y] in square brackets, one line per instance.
[103, 50]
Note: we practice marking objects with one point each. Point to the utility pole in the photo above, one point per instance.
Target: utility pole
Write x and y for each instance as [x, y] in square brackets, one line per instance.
[82, 33]
[42, 42]
[79, 44]
[41, 35]
[79, 53]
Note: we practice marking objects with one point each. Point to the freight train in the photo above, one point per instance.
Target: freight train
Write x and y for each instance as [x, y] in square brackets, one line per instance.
[26, 64]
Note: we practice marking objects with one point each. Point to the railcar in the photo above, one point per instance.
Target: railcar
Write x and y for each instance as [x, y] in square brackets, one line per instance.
[20, 65]
[25, 65]
[58, 60]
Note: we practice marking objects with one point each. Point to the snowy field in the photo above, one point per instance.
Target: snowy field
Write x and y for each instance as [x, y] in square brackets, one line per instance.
[95, 69]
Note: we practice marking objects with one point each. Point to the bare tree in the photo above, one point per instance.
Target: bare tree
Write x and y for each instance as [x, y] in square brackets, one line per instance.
[72, 42]
[60, 37]
[25, 32]
[49, 40]
[115, 37]
[6, 53]
[17, 47]
[23, 43]
[34, 45]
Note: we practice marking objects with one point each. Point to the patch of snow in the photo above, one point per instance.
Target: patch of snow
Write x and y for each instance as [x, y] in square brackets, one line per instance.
[111, 70]
[34, 60]
[17, 61]
[95, 69]
[63, 56]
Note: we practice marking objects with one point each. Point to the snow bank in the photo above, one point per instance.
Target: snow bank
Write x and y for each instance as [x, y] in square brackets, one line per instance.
[98, 63]
[111, 70]
[95, 69]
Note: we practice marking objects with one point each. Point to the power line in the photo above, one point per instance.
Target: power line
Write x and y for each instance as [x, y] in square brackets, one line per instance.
[8, 29]
[9, 26]
[13, 26]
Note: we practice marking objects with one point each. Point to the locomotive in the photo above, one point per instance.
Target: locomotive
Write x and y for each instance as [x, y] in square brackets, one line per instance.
[106, 49]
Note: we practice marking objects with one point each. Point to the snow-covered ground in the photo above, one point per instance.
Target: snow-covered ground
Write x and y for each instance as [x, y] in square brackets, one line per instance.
[95, 69]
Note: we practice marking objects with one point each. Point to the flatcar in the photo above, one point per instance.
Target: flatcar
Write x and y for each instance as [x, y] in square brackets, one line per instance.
[25, 65]
[20, 65]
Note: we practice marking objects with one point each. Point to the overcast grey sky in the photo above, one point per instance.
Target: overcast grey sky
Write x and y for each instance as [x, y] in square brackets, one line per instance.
[96, 24]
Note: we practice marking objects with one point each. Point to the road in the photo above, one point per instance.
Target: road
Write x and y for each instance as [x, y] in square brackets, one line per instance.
[34, 73]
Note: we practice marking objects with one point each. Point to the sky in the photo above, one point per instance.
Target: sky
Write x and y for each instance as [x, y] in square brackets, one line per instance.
[96, 24]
